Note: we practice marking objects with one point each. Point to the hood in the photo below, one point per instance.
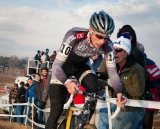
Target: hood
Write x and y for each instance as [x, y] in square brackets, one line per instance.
[128, 28]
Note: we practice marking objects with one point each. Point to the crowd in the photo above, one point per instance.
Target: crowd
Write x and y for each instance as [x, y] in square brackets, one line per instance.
[37, 90]
[140, 78]
[42, 57]
[128, 72]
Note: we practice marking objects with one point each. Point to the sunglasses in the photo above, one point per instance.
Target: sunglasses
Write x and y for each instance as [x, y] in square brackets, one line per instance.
[118, 50]
[100, 36]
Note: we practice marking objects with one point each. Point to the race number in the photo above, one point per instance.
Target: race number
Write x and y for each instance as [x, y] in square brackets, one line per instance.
[110, 56]
[65, 49]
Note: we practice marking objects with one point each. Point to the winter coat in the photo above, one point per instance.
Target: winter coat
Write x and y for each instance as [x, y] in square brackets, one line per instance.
[37, 57]
[52, 58]
[30, 93]
[132, 76]
[43, 58]
[153, 81]
[39, 91]
[21, 95]
[12, 96]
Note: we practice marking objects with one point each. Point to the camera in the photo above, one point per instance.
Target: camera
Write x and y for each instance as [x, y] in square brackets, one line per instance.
[147, 96]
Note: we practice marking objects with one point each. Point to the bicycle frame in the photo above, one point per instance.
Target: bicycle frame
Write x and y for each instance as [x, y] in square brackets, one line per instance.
[86, 109]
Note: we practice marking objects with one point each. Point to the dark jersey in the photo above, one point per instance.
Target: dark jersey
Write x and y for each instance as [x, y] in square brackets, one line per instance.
[76, 50]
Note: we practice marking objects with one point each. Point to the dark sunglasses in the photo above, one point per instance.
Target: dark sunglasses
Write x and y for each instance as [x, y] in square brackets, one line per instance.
[100, 36]
[118, 50]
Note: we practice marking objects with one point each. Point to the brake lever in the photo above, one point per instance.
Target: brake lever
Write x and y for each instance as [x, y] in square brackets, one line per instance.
[75, 92]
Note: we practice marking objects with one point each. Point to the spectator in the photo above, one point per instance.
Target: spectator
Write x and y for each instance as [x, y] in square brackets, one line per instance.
[26, 86]
[41, 99]
[38, 56]
[46, 77]
[138, 55]
[43, 59]
[152, 85]
[47, 55]
[132, 76]
[21, 99]
[53, 56]
[30, 94]
[37, 77]
[13, 99]
[46, 92]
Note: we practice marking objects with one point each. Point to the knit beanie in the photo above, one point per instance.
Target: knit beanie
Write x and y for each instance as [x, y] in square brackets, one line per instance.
[124, 42]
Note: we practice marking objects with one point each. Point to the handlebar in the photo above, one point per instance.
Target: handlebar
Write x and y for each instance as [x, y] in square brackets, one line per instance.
[70, 100]
[92, 95]
[95, 96]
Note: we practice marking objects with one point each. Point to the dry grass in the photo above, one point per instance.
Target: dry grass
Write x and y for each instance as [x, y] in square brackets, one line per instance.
[5, 124]
[4, 79]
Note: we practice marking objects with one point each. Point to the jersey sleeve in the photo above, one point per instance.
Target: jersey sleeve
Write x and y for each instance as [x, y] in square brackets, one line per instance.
[62, 54]
[112, 70]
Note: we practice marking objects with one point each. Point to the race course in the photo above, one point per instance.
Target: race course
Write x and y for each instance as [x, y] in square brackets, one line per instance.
[5, 124]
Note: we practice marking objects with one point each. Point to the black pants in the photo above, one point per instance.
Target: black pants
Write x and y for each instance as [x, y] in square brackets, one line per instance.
[148, 120]
[58, 94]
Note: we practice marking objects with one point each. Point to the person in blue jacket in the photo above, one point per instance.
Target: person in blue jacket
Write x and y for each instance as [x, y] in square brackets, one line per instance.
[31, 96]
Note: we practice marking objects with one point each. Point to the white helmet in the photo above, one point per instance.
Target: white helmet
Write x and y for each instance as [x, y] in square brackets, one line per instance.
[102, 23]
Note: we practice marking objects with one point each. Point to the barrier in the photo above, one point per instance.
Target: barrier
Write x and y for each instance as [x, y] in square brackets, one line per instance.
[133, 103]
[11, 115]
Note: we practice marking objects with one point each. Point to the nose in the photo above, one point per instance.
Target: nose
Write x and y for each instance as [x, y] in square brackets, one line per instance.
[101, 42]
[115, 53]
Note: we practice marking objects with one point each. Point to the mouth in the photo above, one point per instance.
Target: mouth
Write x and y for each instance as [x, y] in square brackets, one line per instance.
[98, 45]
[116, 58]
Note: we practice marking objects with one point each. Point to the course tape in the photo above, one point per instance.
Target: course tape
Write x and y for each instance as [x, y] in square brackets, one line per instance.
[38, 125]
[43, 110]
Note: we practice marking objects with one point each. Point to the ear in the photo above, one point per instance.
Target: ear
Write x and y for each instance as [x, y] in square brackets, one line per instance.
[131, 38]
[126, 54]
[90, 30]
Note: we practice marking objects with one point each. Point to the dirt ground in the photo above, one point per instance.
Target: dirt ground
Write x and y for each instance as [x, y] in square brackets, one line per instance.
[156, 122]
[5, 124]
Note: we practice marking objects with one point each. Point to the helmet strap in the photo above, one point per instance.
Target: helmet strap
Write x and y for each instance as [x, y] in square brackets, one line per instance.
[91, 39]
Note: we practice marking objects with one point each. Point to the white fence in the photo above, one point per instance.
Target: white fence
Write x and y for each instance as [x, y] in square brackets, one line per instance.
[25, 115]
[134, 103]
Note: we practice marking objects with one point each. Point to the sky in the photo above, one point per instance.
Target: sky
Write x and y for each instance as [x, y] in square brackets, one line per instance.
[30, 25]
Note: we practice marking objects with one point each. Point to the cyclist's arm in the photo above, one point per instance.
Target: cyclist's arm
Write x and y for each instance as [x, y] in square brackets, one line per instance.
[62, 55]
[112, 70]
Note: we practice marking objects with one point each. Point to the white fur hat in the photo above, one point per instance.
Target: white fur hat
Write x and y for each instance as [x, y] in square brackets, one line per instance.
[124, 42]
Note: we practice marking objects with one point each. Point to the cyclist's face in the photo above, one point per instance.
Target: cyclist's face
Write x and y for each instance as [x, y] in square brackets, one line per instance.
[97, 38]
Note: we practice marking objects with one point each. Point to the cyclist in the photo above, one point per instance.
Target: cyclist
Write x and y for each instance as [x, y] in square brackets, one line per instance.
[78, 45]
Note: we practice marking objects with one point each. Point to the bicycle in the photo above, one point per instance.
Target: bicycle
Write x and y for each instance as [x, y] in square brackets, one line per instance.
[65, 119]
